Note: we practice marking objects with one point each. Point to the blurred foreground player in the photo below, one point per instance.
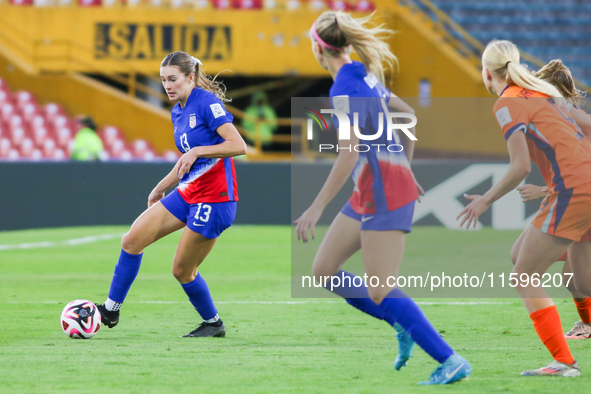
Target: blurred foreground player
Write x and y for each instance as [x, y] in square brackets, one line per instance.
[204, 203]
[380, 211]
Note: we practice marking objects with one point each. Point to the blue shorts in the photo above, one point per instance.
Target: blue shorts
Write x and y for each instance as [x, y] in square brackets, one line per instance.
[398, 219]
[208, 219]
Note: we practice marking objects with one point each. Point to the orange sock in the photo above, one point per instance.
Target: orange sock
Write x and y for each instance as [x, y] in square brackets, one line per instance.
[584, 309]
[549, 328]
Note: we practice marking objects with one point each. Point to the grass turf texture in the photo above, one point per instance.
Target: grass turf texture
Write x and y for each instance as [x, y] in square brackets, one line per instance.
[320, 345]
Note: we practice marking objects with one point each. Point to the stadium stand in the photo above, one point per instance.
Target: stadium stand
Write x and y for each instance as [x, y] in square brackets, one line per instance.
[317, 5]
[31, 131]
[546, 29]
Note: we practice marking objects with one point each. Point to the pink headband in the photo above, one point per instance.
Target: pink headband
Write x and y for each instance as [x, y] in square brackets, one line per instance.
[314, 34]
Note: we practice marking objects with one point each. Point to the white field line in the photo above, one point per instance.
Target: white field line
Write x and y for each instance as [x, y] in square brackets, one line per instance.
[271, 302]
[68, 242]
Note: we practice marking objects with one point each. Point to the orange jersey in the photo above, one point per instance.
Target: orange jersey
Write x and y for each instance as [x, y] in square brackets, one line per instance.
[556, 144]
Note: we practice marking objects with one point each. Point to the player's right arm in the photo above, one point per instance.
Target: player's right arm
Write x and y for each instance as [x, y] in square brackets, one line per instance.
[340, 172]
[583, 120]
[166, 183]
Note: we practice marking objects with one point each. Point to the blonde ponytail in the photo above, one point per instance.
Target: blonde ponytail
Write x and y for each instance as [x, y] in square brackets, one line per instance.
[339, 30]
[502, 59]
[557, 74]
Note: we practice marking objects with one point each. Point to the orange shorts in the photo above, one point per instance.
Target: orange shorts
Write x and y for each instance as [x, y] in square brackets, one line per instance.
[566, 215]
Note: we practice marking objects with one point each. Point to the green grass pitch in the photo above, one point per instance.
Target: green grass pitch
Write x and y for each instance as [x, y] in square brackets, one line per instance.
[274, 344]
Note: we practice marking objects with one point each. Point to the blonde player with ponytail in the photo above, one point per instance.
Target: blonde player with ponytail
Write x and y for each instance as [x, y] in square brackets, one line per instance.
[379, 213]
[536, 123]
[556, 73]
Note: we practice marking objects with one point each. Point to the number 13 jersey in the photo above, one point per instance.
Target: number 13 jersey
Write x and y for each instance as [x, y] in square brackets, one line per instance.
[209, 180]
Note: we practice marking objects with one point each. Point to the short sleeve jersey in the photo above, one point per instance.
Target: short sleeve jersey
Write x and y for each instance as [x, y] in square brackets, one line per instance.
[209, 180]
[555, 142]
[383, 179]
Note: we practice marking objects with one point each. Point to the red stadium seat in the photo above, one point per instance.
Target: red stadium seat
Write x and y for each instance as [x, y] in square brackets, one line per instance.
[13, 155]
[116, 148]
[149, 156]
[23, 98]
[4, 86]
[16, 121]
[60, 121]
[63, 137]
[126, 155]
[51, 111]
[7, 111]
[247, 4]
[222, 4]
[70, 148]
[21, 2]
[27, 147]
[37, 122]
[18, 136]
[40, 136]
[90, 3]
[111, 134]
[317, 5]
[36, 155]
[339, 5]
[5, 97]
[140, 147]
[5, 147]
[29, 111]
[59, 154]
[171, 155]
[49, 148]
[365, 6]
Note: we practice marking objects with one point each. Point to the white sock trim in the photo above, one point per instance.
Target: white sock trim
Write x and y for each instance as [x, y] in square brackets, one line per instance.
[213, 319]
[112, 306]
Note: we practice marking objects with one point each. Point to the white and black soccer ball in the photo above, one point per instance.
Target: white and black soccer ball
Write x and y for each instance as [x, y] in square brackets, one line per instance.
[81, 319]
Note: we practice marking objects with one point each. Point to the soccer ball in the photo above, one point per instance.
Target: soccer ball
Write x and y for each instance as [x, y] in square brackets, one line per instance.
[81, 319]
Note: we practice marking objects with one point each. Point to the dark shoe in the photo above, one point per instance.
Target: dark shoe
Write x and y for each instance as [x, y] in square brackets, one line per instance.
[108, 318]
[215, 330]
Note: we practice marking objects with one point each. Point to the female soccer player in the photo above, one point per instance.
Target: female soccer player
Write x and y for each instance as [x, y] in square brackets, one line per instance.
[204, 203]
[536, 124]
[557, 74]
[380, 211]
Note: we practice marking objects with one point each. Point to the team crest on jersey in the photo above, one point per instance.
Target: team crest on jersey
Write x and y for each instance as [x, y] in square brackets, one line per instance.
[371, 80]
[192, 120]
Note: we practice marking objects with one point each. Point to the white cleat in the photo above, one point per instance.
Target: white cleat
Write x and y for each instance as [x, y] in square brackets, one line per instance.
[579, 331]
[556, 368]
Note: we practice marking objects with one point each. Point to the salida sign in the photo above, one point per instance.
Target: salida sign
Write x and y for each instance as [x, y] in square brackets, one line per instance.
[152, 41]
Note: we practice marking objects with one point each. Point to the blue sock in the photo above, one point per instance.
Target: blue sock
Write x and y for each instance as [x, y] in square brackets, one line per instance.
[355, 296]
[200, 297]
[125, 273]
[398, 308]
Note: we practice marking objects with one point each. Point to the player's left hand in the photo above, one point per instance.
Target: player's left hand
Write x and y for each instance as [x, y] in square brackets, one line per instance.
[473, 210]
[307, 222]
[185, 162]
[419, 188]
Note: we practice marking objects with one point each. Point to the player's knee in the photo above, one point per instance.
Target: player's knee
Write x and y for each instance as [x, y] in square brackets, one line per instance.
[131, 244]
[182, 274]
[580, 286]
[321, 269]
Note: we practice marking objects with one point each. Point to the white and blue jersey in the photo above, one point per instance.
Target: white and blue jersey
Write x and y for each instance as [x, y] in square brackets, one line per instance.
[209, 180]
[383, 180]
